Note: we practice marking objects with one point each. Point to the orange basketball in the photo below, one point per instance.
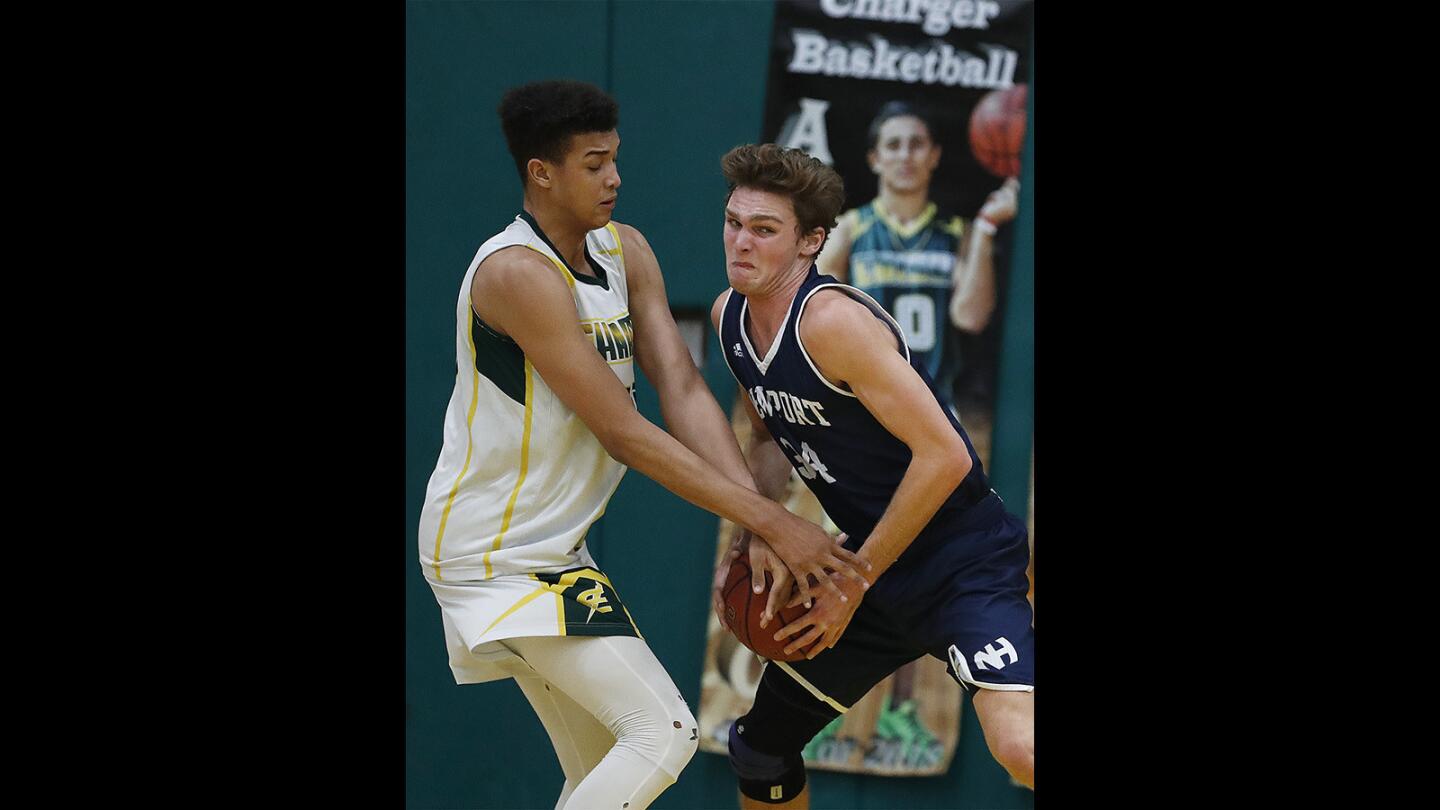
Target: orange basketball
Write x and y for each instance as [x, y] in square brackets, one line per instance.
[742, 614]
[997, 130]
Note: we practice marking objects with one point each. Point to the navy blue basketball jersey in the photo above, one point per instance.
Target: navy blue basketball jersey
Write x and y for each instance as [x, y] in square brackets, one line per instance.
[909, 270]
[844, 455]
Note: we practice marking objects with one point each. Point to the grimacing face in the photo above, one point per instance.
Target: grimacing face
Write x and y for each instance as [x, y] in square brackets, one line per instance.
[904, 156]
[763, 245]
[586, 183]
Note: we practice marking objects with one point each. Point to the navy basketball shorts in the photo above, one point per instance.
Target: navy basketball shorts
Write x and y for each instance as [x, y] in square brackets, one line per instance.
[960, 599]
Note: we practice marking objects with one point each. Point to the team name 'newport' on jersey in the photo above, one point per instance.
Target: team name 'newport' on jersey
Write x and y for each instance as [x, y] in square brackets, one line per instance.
[841, 451]
[794, 409]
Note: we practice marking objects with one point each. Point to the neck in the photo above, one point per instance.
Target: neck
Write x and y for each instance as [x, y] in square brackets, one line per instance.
[767, 308]
[904, 206]
[565, 232]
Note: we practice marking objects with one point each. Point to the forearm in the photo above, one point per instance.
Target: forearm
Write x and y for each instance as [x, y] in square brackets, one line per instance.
[928, 481]
[661, 457]
[695, 419]
[769, 466]
[973, 299]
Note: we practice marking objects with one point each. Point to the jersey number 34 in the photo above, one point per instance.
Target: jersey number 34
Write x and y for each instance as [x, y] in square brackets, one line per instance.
[809, 464]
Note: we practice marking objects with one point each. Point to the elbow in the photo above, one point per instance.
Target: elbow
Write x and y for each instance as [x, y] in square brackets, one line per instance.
[972, 319]
[957, 462]
[621, 441]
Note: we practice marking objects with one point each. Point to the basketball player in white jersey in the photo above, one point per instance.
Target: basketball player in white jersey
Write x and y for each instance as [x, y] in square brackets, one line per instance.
[551, 316]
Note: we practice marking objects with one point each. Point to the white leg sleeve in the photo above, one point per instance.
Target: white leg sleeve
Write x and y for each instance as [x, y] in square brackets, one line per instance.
[579, 739]
[619, 687]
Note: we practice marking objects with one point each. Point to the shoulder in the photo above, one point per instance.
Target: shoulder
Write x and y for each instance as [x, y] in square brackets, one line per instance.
[641, 266]
[842, 335]
[718, 308]
[859, 220]
[832, 315]
[517, 267]
[630, 237]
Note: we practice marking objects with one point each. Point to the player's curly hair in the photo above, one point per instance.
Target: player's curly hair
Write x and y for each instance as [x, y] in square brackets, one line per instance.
[540, 118]
[816, 190]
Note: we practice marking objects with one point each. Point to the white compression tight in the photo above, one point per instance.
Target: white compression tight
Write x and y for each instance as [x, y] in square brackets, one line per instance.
[620, 728]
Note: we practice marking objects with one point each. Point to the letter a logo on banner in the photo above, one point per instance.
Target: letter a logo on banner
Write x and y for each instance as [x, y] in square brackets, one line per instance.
[806, 130]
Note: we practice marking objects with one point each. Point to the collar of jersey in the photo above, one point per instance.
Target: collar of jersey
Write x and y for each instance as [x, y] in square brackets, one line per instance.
[904, 231]
[598, 280]
[763, 365]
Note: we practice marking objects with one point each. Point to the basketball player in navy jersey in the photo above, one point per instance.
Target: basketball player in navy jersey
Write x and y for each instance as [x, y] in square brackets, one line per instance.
[931, 270]
[828, 378]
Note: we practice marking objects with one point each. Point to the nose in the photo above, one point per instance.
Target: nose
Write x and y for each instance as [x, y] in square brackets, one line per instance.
[614, 181]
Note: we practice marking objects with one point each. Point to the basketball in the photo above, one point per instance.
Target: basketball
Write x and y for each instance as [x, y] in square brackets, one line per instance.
[742, 614]
[997, 130]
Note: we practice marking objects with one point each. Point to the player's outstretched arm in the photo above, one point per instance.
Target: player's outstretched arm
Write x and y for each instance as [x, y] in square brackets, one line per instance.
[972, 302]
[689, 409]
[850, 345]
[518, 292]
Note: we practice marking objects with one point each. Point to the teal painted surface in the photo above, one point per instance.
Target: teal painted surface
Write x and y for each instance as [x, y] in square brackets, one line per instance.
[690, 79]
[1015, 386]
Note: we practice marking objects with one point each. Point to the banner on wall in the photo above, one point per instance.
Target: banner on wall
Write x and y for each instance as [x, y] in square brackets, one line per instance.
[834, 64]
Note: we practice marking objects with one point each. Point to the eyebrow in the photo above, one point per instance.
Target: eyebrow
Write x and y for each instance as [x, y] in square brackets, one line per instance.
[734, 215]
[599, 150]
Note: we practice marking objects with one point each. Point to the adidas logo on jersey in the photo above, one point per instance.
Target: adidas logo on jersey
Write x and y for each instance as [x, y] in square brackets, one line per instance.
[738, 352]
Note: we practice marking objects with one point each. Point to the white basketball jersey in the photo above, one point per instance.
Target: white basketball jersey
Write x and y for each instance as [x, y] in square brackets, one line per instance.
[520, 478]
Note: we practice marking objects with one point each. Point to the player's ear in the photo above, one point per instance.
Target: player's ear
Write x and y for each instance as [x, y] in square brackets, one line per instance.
[934, 156]
[539, 172]
[810, 243]
[872, 158]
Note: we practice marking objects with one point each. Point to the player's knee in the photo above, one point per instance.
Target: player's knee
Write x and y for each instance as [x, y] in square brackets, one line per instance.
[1015, 751]
[685, 742]
[669, 740]
[770, 778]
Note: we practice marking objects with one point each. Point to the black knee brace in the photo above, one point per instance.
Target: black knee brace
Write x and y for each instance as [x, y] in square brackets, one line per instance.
[764, 777]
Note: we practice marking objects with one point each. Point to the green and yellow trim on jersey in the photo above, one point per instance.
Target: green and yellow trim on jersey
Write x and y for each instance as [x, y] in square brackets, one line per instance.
[904, 231]
[469, 451]
[585, 604]
[524, 465]
[619, 249]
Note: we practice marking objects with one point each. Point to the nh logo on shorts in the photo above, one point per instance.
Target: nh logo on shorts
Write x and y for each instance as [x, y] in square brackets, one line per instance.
[996, 658]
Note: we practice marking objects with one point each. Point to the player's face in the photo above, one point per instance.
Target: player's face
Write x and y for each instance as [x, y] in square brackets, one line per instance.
[763, 245]
[587, 182]
[904, 156]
